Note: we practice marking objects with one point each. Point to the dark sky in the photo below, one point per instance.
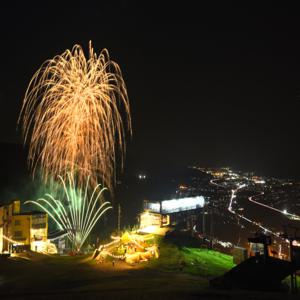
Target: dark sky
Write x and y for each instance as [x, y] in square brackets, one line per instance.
[214, 84]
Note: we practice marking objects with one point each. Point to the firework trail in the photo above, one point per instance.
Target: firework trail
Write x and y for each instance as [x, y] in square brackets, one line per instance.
[72, 117]
[76, 213]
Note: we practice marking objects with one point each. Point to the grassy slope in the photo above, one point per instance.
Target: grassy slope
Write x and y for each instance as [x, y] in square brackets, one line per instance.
[207, 263]
[79, 278]
[203, 262]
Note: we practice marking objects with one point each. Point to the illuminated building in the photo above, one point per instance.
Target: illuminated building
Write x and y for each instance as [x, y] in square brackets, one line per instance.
[258, 180]
[22, 230]
[151, 222]
[179, 212]
[175, 205]
[150, 219]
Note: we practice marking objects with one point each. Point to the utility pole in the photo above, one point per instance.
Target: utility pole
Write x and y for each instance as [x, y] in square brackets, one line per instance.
[119, 218]
[211, 227]
[203, 220]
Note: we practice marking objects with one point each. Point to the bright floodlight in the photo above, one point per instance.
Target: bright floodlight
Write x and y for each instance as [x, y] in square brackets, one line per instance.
[182, 204]
[176, 205]
[154, 206]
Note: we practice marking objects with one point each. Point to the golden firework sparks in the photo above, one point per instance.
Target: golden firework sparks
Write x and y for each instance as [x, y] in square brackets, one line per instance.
[72, 116]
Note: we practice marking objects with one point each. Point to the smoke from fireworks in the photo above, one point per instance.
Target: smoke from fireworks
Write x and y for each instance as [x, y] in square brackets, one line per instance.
[72, 117]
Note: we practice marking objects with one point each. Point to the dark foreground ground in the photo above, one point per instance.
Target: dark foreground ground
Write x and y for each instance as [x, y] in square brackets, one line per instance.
[78, 278]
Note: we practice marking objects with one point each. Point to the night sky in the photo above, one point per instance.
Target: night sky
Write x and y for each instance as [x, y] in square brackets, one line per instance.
[208, 85]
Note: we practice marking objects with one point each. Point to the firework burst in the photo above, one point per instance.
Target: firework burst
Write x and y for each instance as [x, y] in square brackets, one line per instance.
[72, 117]
[76, 213]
